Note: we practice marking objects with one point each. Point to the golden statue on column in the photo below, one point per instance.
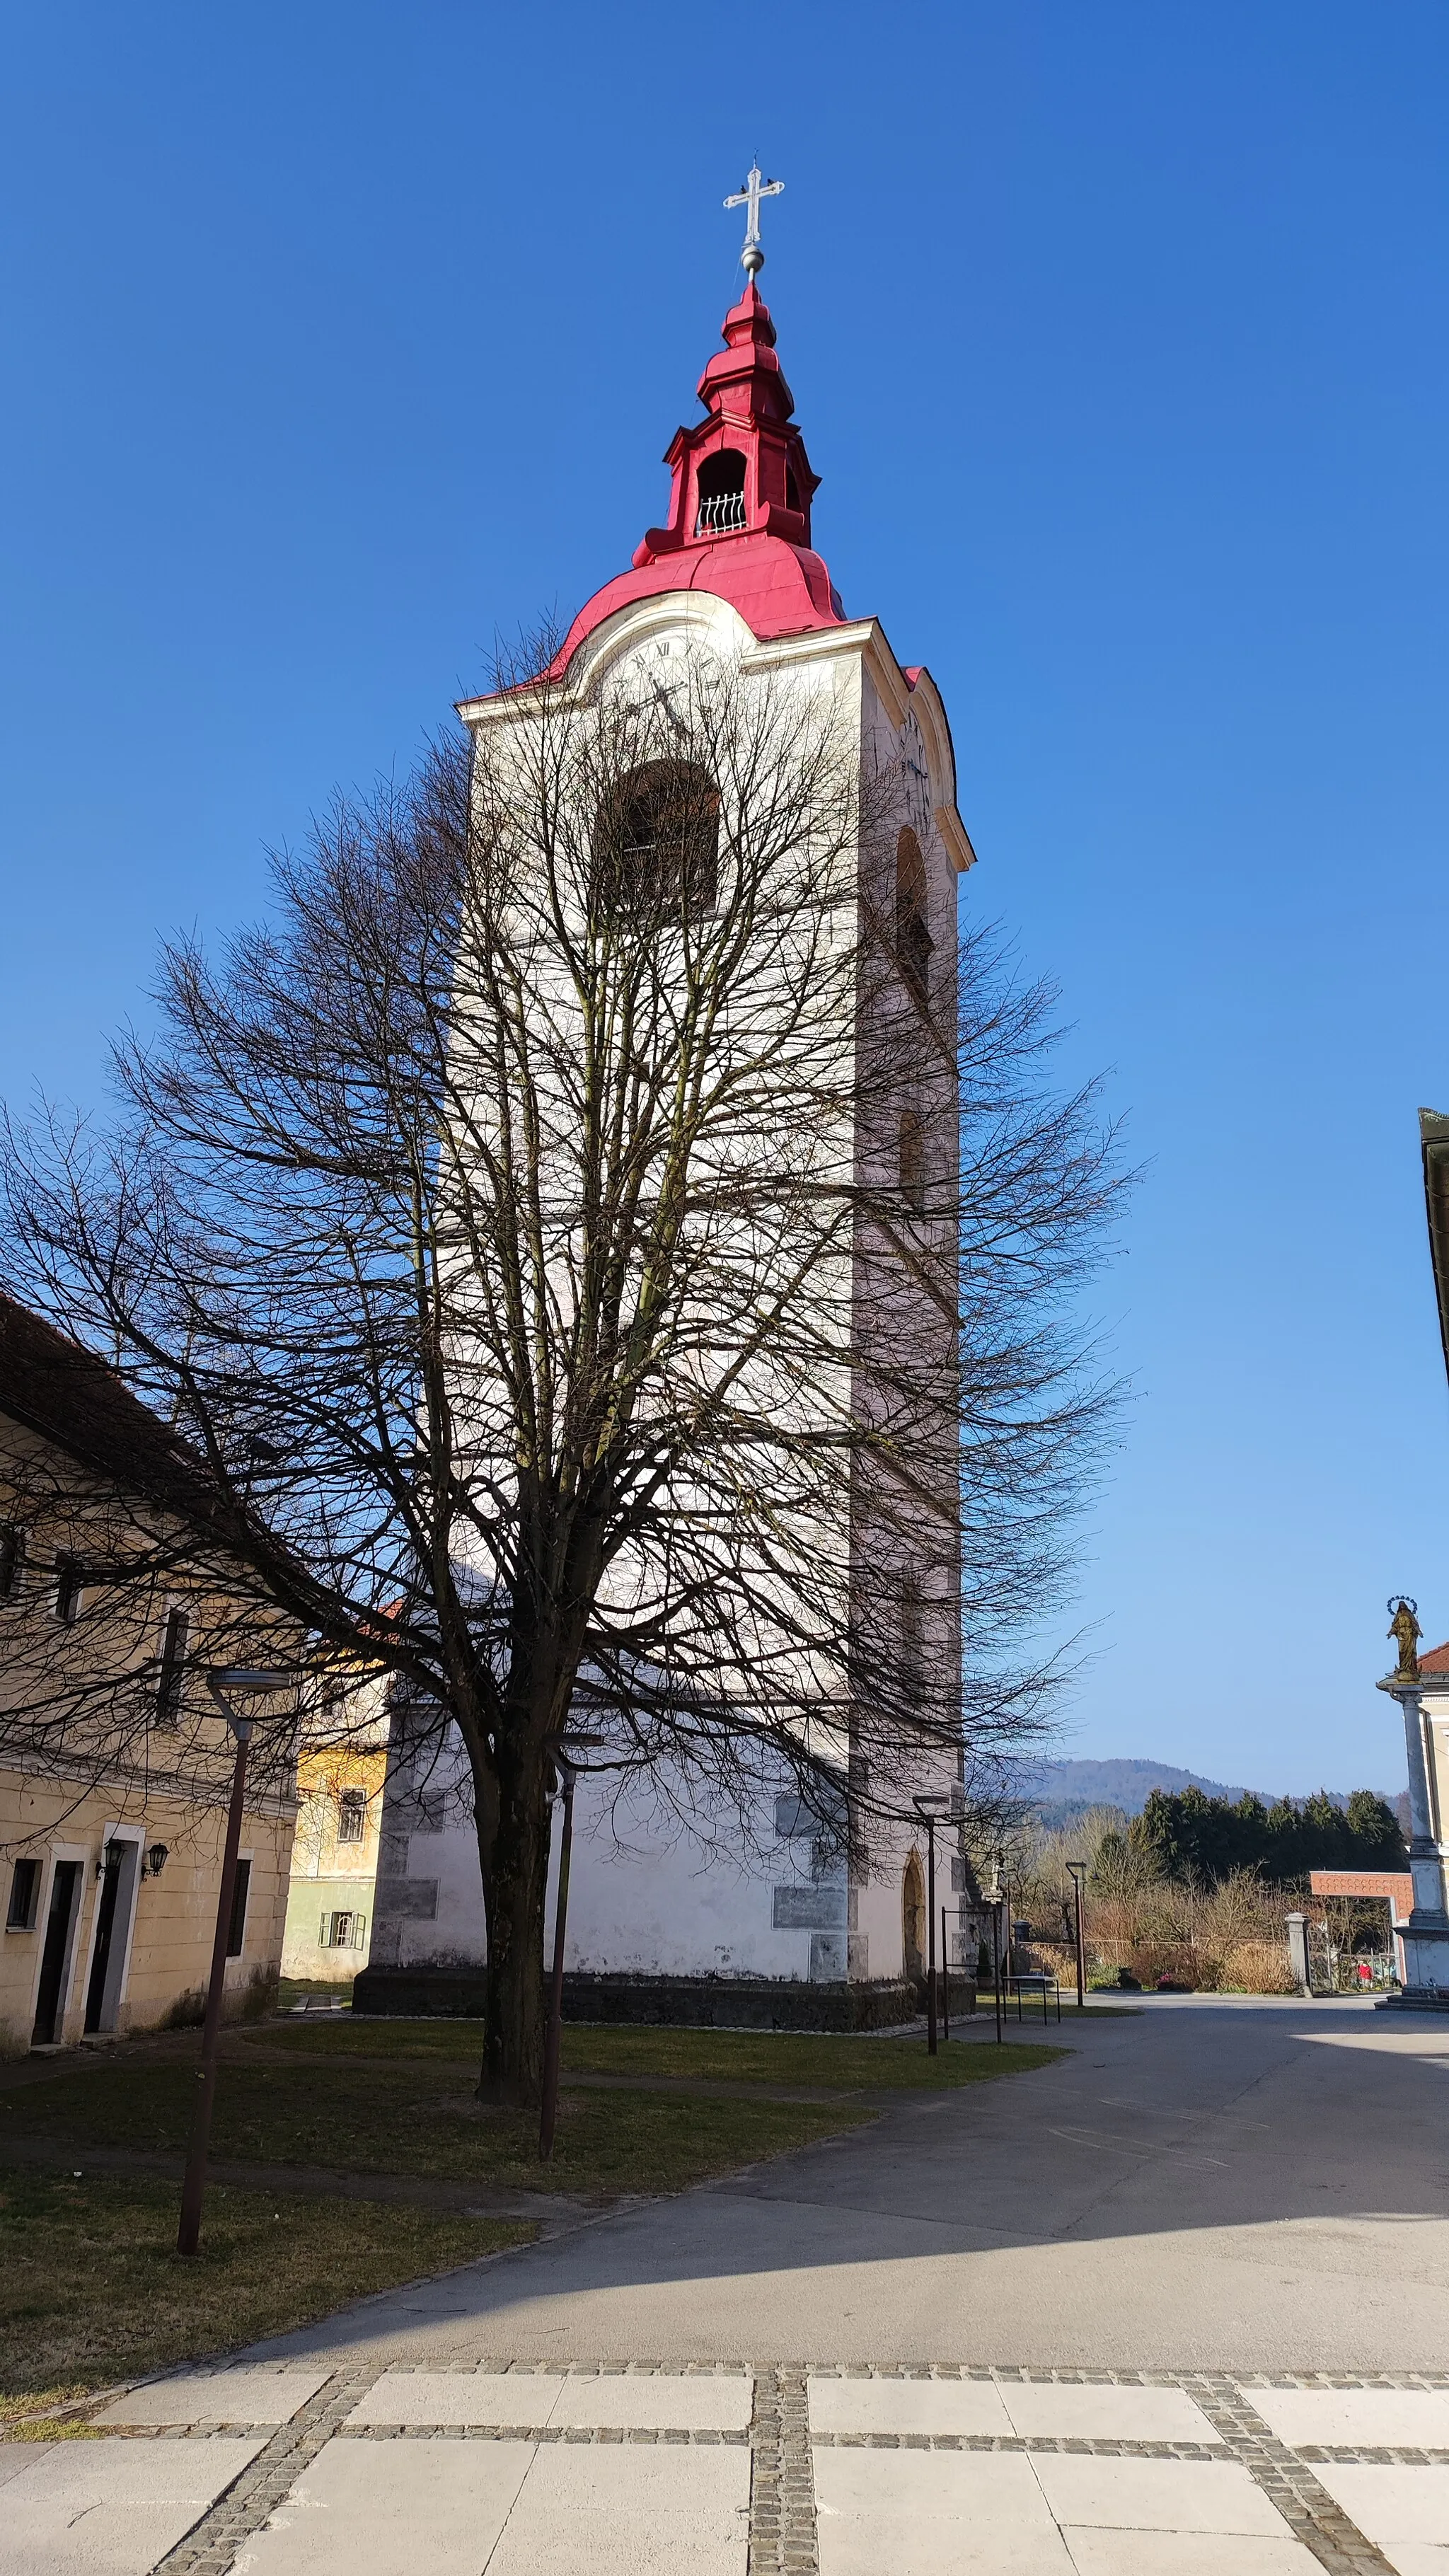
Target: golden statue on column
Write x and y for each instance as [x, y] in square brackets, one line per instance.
[1404, 1628]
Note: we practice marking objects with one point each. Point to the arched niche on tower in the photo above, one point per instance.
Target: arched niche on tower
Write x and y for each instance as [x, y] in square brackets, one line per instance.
[914, 943]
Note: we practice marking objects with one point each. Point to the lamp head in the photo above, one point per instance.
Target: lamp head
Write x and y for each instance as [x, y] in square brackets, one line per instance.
[244, 1681]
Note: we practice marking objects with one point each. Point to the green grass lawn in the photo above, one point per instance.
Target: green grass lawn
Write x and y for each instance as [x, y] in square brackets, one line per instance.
[841, 2063]
[397, 2097]
[822, 2061]
[92, 2289]
[418, 2119]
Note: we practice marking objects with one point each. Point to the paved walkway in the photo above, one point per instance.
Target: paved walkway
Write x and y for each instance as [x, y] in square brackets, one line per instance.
[1175, 2307]
[716, 2472]
[1254, 2186]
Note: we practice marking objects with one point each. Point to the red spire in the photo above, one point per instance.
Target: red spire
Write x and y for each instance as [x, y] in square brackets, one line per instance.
[739, 508]
[744, 467]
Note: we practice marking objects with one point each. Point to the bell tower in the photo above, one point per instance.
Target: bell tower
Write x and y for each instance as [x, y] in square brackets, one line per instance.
[731, 579]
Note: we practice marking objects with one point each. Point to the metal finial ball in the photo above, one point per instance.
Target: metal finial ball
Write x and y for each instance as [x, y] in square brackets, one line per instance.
[752, 260]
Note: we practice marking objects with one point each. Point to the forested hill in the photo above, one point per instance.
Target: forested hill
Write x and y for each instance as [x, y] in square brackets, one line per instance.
[1061, 1789]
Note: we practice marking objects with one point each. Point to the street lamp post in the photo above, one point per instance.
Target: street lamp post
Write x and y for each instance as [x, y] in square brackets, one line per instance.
[1077, 1870]
[996, 1930]
[996, 1903]
[221, 1681]
[929, 1810]
[554, 2040]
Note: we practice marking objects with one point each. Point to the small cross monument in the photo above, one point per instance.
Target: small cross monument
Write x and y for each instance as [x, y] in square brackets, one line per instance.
[752, 258]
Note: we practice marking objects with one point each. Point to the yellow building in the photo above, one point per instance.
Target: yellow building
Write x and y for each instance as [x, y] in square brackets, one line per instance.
[115, 1761]
[340, 1777]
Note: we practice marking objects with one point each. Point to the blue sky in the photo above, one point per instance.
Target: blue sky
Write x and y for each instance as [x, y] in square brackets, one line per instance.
[340, 339]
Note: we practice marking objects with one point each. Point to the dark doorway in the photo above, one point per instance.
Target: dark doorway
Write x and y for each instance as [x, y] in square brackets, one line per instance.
[113, 1923]
[55, 1957]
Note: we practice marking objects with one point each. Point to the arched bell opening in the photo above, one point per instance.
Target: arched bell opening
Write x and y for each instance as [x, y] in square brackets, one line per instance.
[913, 929]
[656, 843]
[721, 490]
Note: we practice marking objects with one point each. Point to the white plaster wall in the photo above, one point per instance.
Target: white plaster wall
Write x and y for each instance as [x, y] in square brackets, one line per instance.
[649, 1897]
[654, 1901]
[646, 1896]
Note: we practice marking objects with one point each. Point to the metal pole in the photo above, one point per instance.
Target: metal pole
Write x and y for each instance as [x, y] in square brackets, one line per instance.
[996, 1963]
[930, 1825]
[193, 2187]
[554, 2040]
[1078, 1873]
[945, 1979]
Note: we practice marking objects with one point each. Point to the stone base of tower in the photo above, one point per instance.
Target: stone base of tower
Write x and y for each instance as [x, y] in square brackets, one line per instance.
[1425, 1948]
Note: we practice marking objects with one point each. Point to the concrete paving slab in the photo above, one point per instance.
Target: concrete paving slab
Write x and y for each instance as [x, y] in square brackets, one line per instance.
[1356, 2419]
[520, 2398]
[658, 2399]
[111, 2508]
[1186, 2553]
[1204, 2496]
[1055, 2410]
[979, 2513]
[629, 2512]
[1405, 2511]
[391, 2508]
[907, 2406]
[662, 2401]
[254, 2394]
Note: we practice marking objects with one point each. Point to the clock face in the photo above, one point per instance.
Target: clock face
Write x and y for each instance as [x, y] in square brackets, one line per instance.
[658, 677]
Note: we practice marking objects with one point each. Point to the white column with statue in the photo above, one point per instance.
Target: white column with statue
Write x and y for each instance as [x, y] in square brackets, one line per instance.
[1425, 1937]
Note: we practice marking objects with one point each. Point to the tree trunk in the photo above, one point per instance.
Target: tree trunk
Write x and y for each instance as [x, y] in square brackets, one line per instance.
[515, 1880]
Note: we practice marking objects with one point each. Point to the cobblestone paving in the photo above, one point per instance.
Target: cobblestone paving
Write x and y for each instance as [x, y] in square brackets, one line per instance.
[736, 2471]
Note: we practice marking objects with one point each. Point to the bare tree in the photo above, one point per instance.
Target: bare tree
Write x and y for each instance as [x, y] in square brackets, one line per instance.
[550, 1235]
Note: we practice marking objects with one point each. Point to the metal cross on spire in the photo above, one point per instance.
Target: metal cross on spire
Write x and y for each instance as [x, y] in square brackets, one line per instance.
[752, 258]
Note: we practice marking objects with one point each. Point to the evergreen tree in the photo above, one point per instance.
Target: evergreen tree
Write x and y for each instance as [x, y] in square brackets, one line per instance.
[1184, 1834]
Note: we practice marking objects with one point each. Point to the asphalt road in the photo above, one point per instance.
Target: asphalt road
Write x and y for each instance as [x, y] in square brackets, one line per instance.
[1212, 2185]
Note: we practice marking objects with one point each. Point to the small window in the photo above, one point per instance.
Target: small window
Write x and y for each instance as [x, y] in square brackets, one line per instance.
[352, 1815]
[237, 1927]
[792, 489]
[12, 1559]
[173, 1668]
[69, 1585]
[913, 930]
[343, 1931]
[24, 1896]
[913, 1160]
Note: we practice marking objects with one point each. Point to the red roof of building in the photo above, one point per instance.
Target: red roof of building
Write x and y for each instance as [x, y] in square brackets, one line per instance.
[67, 1395]
[1436, 1660]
